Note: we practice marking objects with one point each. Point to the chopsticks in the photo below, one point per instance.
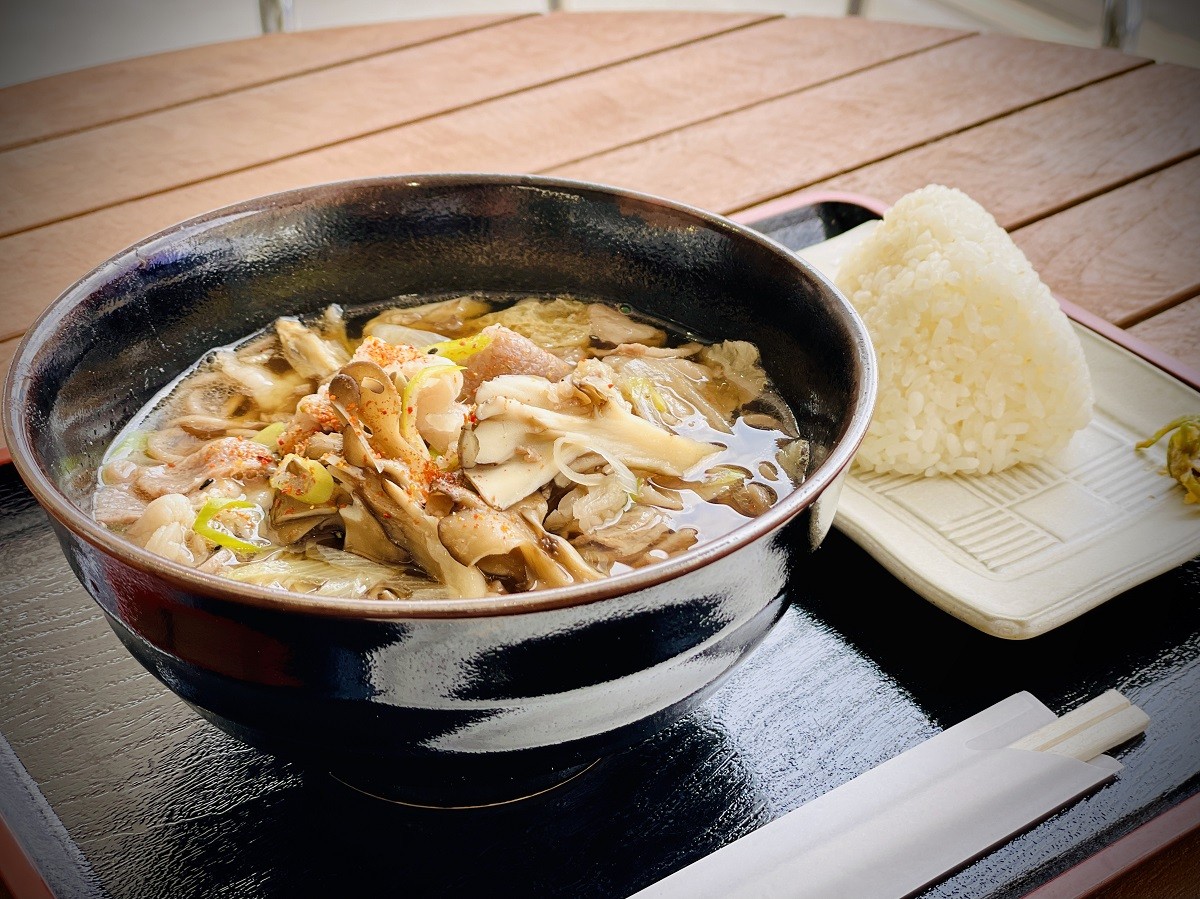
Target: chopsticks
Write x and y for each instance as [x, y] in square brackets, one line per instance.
[900, 826]
[1090, 730]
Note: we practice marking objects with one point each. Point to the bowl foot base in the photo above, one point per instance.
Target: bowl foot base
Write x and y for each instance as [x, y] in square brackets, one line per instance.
[461, 794]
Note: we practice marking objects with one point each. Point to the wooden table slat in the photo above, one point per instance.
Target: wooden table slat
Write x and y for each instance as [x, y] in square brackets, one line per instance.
[783, 145]
[1081, 145]
[52, 180]
[60, 104]
[1118, 254]
[557, 123]
[1176, 332]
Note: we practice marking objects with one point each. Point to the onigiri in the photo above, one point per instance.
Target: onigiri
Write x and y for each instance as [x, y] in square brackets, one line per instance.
[979, 367]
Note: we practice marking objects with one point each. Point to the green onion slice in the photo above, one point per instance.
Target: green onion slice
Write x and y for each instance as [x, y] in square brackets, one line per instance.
[305, 479]
[461, 348]
[206, 527]
[408, 418]
[269, 436]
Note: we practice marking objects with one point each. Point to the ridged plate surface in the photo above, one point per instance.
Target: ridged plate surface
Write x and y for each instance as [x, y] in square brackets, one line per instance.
[1022, 551]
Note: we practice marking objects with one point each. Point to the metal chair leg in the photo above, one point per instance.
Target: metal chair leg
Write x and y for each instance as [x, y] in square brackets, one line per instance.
[276, 15]
[1121, 24]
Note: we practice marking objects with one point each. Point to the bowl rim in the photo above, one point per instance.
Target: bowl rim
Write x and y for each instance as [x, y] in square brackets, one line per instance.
[83, 526]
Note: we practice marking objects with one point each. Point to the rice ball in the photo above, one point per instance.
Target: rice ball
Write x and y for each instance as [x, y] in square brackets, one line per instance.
[979, 367]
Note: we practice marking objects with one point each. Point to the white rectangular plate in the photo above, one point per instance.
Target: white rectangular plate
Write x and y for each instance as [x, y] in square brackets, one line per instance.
[1023, 551]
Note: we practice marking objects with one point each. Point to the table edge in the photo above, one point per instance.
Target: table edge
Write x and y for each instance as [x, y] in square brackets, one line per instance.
[24, 810]
[1125, 854]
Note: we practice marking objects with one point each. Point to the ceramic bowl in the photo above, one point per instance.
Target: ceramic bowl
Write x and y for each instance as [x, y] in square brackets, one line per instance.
[457, 701]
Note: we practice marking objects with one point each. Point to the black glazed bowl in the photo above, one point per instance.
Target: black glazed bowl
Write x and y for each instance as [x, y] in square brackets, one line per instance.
[457, 701]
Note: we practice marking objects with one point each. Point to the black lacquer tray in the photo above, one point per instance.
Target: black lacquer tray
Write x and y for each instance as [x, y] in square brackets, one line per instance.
[110, 786]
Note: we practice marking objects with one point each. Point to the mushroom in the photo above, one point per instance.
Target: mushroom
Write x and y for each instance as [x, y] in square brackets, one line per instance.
[397, 425]
[730, 485]
[292, 519]
[609, 325]
[308, 352]
[530, 465]
[496, 541]
[365, 536]
[271, 392]
[447, 317]
[408, 525]
[794, 459]
[633, 537]
[604, 425]
[209, 426]
[365, 395]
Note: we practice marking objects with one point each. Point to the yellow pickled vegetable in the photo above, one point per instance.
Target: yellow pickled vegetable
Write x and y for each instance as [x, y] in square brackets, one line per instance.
[1183, 453]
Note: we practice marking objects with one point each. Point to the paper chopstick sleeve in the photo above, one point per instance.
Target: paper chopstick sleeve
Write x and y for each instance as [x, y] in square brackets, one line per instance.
[904, 824]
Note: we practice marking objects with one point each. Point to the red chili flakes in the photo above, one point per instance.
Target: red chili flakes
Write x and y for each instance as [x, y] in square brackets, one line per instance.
[384, 354]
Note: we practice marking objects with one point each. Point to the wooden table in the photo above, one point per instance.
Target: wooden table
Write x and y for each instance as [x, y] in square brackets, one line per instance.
[1088, 157]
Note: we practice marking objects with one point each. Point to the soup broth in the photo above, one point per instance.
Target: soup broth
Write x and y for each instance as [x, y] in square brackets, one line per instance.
[466, 446]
